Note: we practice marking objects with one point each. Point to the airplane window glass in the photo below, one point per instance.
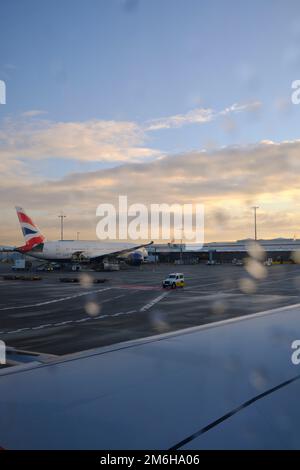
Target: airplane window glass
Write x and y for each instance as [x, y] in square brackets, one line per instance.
[150, 224]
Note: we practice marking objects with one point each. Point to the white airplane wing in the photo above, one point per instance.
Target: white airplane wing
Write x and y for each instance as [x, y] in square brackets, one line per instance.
[119, 252]
[226, 385]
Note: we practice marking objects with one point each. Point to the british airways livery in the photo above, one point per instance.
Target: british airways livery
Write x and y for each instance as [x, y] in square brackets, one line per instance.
[72, 250]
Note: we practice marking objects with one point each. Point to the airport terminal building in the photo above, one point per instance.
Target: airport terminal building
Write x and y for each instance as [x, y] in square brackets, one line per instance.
[279, 249]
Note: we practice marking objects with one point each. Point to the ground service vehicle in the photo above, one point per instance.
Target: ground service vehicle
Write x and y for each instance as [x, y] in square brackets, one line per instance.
[174, 280]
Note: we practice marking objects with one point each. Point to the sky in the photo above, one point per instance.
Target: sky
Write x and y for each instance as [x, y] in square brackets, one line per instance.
[162, 100]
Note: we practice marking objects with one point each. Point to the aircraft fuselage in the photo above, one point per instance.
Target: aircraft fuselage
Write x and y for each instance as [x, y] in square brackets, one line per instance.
[66, 250]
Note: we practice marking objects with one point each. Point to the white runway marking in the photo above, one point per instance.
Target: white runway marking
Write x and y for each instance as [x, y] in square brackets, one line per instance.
[63, 299]
[64, 323]
[83, 320]
[46, 325]
[153, 302]
[16, 331]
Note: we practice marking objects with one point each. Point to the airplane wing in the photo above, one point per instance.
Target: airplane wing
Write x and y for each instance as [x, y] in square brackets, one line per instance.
[120, 252]
[224, 385]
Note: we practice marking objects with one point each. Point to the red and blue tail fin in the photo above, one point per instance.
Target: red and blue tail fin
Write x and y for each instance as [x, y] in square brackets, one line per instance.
[31, 232]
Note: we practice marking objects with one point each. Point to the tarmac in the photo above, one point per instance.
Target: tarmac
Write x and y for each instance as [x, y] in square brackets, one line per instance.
[54, 317]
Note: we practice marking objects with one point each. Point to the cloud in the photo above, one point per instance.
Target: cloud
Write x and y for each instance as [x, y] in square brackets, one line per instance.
[197, 116]
[33, 138]
[33, 113]
[94, 140]
[228, 181]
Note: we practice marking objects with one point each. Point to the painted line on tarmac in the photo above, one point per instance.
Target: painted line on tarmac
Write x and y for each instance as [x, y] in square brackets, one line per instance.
[64, 323]
[14, 331]
[153, 302]
[41, 326]
[83, 320]
[139, 287]
[63, 299]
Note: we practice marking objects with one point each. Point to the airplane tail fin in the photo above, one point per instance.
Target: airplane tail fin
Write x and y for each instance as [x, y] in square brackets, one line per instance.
[31, 232]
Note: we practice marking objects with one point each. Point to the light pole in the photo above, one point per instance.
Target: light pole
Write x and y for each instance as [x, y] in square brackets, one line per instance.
[255, 227]
[181, 262]
[62, 217]
[78, 233]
